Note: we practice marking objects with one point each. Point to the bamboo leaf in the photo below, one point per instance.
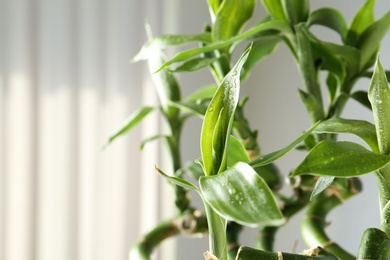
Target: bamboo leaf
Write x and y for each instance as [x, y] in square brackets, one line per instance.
[275, 9]
[331, 18]
[370, 39]
[205, 93]
[270, 25]
[195, 64]
[150, 139]
[379, 96]
[271, 157]
[340, 159]
[236, 152]
[231, 18]
[363, 129]
[361, 96]
[239, 194]
[163, 41]
[133, 120]
[363, 18]
[218, 120]
[261, 48]
[177, 181]
[322, 183]
[297, 10]
[198, 109]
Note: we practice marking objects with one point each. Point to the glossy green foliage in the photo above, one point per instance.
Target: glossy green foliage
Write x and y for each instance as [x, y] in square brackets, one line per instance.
[322, 183]
[236, 152]
[239, 194]
[271, 157]
[133, 120]
[363, 129]
[379, 96]
[363, 18]
[164, 41]
[231, 17]
[275, 9]
[218, 120]
[330, 18]
[297, 11]
[340, 159]
[248, 34]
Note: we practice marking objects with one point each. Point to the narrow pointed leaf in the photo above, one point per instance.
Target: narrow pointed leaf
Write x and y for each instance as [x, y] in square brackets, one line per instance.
[275, 9]
[133, 120]
[371, 38]
[361, 96]
[168, 40]
[195, 64]
[177, 181]
[231, 17]
[219, 118]
[205, 93]
[268, 158]
[322, 183]
[270, 25]
[240, 195]
[363, 129]
[261, 48]
[331, 18]
[150, 139]
[236, 152]
[363, 18]
[340, 159]
[379, 96]
[192, 107]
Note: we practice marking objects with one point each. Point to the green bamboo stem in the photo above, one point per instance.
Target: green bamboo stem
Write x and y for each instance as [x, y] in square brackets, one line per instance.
[313, 224]
[246, 253]
[144, 248]
[375, 244]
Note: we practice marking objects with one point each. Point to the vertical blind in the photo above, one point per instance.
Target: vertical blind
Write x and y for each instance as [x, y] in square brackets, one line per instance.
[65, 85]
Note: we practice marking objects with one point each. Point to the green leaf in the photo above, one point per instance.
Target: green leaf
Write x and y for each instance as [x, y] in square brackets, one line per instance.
[363, 129]
[361, 96]
[363, 18]
[275, 9]
[198, 109]
[370, 39]
[333, 86]
[150, 139]
[236, 152]
[231, 18]
[214, 5]
[133, 120]
[240, 195]
[261, 48]
[331, 18]
[177, 181]
[307, 66]
[297, 10]
[270, 25]
[218, 120]
[340, 159]
[322, 183]
[379, 96]
[268, 158]
[163, 41]
[314, 109]
[194, 169]
[205, 93]
[195, 64]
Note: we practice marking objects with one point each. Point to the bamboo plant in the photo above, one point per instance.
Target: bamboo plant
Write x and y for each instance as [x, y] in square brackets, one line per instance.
[239, 185]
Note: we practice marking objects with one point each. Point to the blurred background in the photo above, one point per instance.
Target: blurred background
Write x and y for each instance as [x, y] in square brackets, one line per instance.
[66, 84]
